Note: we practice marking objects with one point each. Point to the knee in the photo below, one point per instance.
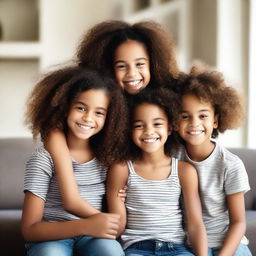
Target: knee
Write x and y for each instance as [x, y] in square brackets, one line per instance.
[51, 248]
[108, 247]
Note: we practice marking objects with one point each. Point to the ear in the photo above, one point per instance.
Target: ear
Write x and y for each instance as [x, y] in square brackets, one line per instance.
[216, 121]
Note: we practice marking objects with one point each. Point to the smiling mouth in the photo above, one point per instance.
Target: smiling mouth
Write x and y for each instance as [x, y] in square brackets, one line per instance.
[85, 127]
[152, 140]
[195, 132]
[133, 83]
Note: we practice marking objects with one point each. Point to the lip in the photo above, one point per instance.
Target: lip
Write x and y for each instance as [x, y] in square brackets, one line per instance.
[84, 127]
[195, 133]
[149, 140]
[133, 83]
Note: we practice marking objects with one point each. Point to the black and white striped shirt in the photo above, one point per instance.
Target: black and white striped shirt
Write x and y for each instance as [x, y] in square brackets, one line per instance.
[40, 179]
[153, 208]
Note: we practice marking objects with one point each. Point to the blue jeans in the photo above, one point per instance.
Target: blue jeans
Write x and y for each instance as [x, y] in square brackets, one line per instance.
[242, 250]
[80, 245]
[155, 247]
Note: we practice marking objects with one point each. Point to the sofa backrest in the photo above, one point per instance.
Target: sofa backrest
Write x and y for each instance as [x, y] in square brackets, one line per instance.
[248, 156]
[14, 153]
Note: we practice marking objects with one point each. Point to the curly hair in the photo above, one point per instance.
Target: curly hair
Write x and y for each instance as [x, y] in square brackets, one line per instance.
[209, 86]
[165, 99]
[51, 98]
[98, 46]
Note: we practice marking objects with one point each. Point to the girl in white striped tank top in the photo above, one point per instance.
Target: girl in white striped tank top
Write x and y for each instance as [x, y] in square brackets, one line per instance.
[151, 217]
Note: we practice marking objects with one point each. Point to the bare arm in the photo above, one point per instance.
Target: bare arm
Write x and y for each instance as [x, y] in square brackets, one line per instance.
[101, 225]
[237, 224]
[56, 145]
[196, 229]
[117, 178]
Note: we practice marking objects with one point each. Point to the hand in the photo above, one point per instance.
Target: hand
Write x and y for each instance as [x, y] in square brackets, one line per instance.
[122, 193]
[103, 225]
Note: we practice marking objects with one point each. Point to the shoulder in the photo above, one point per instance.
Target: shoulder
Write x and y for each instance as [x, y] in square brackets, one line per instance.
[118, 174]
[40, 153]
[228, 159]
[184, 167]
[40, 160]
[186, 170]
[120, 168]
[119, 171]
[187, 175]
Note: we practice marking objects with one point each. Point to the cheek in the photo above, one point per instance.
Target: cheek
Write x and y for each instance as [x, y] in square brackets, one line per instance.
[101, 122]
[118, 77]
[134, 136]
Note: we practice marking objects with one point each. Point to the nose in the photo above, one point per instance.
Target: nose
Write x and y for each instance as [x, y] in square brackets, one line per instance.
[87, 116]
[131, 71]
[148, 130]
[194, 122]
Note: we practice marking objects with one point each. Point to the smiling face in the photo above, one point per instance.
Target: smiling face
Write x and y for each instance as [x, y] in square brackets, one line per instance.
[150, 128]
[87, 114]
[131, 66]
[198, 120]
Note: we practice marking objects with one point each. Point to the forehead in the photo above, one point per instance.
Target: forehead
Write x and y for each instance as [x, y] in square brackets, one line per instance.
[191, 101]
[148, 111]
[94, 97]
[131, 49]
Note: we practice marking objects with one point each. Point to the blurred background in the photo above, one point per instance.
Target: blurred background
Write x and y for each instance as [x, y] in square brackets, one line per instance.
[36, 35]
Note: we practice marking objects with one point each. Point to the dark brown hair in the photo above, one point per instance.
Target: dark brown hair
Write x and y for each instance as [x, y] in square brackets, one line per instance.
[209, 86]
[98, 46]
[51, 98]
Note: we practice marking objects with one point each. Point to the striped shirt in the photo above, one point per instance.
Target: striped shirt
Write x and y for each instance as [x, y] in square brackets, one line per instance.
[221, 174]
[40, 179]
[153, 208]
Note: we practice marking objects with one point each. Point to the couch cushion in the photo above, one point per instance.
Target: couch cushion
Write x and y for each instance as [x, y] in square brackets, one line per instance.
[248, 156]
[14, 152]
[251, 230]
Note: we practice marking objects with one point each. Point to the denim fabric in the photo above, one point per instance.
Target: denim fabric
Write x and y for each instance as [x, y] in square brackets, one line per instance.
[242, 250]
[81, 245]
[155, 247]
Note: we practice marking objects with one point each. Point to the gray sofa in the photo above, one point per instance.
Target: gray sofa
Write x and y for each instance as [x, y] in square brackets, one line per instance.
[14, 153]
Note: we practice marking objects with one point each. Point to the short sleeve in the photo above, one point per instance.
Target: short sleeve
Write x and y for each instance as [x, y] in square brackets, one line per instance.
[236, 179]
[39, 171]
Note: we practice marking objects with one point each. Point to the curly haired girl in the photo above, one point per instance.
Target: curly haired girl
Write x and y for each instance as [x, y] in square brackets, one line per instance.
[137, 55]
[88, 109]
[209, 106]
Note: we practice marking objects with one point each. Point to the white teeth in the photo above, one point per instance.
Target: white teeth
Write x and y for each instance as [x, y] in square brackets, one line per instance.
[195, 132]
[133, 83]
[85, 127]
[150, 140]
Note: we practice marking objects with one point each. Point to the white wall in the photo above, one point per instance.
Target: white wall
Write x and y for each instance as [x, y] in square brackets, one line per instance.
[218, 39]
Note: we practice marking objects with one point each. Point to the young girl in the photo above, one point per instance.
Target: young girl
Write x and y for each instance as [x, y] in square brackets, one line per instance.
[89, 110]
[210, 107]
[151, 217]
[137, 55]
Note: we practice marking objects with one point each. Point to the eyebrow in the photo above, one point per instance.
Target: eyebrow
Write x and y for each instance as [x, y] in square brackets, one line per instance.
[82, 103]
[137, 59]
[201, 110]
[155, 119]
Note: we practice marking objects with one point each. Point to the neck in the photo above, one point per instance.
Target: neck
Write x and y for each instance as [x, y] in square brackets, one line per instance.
[199, 153]
[154, 159]
[79, 149]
